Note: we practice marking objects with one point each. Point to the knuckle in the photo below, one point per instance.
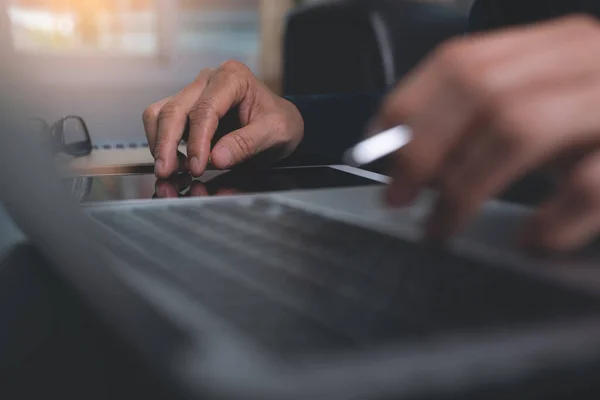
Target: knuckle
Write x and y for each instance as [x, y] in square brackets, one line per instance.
[204, 73]
[203, 108]
[235, 75]
[233, 66]
[171, 110]
[151, 113]
[233, 80]
[455, 56]
[513, 128]
[245, 143]
[479, 82]
[460, 64]
[451, 50]
[229, 75]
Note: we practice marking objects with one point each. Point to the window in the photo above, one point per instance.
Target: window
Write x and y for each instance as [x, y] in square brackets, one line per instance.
[218, 25]
[223, 28]
[127, 40]
[84, 26]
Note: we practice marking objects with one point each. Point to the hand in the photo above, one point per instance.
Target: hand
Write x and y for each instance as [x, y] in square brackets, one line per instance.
[267, 122]
[485, 110]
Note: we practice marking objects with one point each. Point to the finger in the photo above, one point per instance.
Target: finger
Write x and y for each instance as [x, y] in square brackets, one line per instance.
[442, 118]
[482, 167]
[227, 88]
[150, 120]
[527, 133]
[571, 219]
[403, 190]
[499, 61]
[486, 56]
[241, 145]
[172, 121]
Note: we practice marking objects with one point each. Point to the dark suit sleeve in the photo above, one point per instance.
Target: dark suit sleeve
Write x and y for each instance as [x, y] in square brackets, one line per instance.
[332, 124]
[481, 17]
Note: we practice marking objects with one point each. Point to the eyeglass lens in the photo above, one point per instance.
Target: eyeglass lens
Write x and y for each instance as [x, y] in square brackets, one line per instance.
[73, 133]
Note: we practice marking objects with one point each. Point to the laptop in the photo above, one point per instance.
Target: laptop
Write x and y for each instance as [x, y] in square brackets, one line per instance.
[314, 294]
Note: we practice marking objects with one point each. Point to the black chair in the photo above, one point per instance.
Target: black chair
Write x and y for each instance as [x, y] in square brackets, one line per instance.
[362, 45]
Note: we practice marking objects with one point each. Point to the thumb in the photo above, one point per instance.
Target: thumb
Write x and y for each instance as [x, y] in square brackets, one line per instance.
[239, 146]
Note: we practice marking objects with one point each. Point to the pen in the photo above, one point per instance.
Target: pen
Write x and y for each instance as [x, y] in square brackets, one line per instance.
[378, 146]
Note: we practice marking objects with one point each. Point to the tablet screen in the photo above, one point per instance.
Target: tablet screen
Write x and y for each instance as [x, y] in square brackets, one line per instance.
[214, 183]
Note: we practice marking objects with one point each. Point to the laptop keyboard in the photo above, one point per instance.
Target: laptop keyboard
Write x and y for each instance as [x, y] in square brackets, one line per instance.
[298, 282]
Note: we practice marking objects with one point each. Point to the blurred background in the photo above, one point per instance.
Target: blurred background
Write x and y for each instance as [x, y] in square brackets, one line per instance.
[106, 60]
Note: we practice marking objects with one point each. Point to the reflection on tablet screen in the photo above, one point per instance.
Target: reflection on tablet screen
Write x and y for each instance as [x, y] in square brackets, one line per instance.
[145, 186]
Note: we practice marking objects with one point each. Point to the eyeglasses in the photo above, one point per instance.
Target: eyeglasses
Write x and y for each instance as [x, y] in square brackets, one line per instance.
[69, 135]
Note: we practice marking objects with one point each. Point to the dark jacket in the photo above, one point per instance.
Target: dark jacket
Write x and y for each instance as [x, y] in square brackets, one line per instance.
[494, 14]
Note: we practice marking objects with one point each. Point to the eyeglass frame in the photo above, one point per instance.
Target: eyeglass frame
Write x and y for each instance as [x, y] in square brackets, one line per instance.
[56, 133]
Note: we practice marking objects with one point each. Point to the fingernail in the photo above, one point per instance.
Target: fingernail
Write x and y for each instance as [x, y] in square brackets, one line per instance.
[195, 165]
[159, 166]
[160, 191]
[222, 155]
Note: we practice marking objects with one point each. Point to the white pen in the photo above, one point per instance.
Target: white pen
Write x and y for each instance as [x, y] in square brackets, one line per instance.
[378, 146]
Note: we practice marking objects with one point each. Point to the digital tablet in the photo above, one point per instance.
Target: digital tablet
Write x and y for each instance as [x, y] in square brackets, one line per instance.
[219, 183]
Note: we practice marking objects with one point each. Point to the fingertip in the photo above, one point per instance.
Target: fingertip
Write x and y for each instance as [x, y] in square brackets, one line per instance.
[196, 167]
[197, 151]
[222, 157]
[160, 168]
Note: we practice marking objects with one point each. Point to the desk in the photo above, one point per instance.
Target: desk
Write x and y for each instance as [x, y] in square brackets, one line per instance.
[115, 161]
